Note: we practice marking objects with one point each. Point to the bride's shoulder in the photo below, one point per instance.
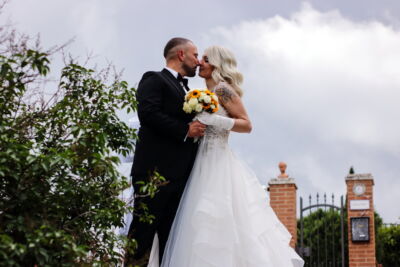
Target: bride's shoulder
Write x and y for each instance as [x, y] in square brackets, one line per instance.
[225, 92]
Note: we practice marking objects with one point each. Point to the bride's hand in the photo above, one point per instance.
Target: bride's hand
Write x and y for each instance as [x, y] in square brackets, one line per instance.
[216, 120]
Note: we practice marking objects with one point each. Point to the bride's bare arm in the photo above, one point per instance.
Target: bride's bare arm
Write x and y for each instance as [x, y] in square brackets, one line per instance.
[234, 106]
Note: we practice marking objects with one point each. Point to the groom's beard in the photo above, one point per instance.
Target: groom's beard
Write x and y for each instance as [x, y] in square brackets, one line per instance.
[190, 71]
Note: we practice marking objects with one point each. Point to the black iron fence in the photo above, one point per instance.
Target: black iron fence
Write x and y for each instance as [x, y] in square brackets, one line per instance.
[321, 230]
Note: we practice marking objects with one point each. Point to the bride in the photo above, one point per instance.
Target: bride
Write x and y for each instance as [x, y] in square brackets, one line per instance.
[224, 218]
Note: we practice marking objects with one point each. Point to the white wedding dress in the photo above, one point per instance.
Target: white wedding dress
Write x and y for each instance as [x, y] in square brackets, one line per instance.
[224, 218]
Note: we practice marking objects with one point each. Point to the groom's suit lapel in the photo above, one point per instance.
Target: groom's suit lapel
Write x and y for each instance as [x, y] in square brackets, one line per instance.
[173, 82]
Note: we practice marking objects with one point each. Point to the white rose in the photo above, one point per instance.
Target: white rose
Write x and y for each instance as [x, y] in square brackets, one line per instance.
[201, 98]
[199, 108]
[187, 108]
[215, 97]
[207, 99]
[193, 102]
[212, 106]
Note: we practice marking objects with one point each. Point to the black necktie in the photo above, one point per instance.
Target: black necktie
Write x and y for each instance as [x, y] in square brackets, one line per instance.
[183, 82]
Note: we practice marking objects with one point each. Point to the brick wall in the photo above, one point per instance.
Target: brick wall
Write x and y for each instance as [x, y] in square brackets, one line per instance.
[283, 202]
[361, 254]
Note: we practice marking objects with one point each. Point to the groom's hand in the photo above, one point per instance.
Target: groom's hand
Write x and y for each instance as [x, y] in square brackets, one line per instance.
[196, 129]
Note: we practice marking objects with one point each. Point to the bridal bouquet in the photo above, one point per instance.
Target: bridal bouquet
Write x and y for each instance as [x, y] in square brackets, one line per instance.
[198, 100]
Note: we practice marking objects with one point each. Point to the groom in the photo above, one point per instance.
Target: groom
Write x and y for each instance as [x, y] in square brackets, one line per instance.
[165, 142]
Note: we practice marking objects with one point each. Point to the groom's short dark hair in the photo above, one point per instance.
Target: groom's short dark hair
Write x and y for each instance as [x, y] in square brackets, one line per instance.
[174, 42]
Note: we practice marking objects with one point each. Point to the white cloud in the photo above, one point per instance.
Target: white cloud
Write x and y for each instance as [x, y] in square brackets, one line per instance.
[323, 94]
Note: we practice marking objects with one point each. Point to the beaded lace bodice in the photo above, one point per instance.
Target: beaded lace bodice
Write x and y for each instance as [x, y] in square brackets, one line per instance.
[214, 133]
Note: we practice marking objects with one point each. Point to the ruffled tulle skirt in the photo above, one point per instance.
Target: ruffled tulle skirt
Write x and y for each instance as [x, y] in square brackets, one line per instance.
[224, 218]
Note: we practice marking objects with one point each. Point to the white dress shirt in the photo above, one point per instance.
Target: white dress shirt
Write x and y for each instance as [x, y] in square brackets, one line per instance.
[175, 74]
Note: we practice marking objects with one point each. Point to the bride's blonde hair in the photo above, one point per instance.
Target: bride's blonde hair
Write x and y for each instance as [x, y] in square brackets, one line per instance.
[224, 63]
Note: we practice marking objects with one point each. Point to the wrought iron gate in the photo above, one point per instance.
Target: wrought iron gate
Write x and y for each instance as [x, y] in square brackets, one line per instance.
[322, 241]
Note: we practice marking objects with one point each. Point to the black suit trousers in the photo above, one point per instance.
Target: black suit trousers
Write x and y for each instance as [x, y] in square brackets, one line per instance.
[163, 206]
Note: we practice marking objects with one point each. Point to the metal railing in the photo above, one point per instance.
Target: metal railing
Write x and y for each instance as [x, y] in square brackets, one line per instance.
[316, 251]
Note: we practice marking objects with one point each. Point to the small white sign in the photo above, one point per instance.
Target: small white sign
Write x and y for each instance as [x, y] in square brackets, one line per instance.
[359, 204]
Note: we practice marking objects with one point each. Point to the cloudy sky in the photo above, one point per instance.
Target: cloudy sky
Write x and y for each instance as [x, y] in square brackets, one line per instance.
[322, 78]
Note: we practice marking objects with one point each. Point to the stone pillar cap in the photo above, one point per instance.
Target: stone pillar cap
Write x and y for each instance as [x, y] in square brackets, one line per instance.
[275, 181]
[282, 181]
[360, 176]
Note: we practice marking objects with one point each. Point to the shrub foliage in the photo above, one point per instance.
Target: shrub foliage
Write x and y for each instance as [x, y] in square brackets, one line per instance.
[58, 178]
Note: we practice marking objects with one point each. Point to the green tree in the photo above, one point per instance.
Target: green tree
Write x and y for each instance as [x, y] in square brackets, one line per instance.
[59, 184]
[379, 250]
[387, 243]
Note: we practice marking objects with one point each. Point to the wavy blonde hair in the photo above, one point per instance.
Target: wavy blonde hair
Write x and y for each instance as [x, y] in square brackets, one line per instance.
[224, 63]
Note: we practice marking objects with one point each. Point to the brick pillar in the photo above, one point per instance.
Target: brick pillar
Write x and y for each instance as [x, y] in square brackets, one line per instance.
[282, 194]
[360, 204]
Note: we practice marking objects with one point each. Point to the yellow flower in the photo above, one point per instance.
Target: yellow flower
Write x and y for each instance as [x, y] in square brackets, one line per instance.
[195, 93]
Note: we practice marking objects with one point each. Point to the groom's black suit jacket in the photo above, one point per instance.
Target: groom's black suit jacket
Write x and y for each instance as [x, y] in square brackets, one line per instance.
[161, 147]
[163, 128]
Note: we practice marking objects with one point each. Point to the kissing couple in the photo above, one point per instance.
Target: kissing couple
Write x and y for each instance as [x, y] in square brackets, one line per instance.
[213, 212]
